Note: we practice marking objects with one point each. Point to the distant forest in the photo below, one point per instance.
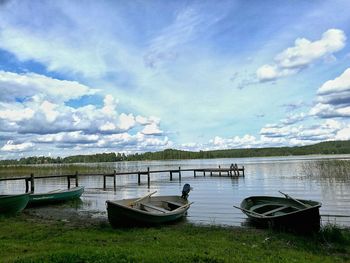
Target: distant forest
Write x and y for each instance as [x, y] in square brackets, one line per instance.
[333, 147]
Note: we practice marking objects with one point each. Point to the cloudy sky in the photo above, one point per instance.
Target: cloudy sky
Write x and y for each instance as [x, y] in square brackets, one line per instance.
[80, 77]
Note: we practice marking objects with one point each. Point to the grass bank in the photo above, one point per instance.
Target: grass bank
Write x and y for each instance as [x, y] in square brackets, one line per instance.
[27, 239]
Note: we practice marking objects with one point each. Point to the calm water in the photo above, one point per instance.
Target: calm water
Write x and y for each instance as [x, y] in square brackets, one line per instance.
[213, 197]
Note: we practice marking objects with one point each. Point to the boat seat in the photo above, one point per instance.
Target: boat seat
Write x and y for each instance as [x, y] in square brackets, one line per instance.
[275, 210]
[173, 203]
[254, 207]
[154, 207]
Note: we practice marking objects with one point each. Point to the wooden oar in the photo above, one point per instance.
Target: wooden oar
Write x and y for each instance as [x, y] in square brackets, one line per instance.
[184, 206]
[248, 211]
[299, 202]
[142, 198]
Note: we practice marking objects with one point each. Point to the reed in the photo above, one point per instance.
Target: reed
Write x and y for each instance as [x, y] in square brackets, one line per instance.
[331, 233]
[338, 170]
[54, 169]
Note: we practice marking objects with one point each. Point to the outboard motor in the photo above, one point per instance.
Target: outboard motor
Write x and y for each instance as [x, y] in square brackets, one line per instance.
[185, 191]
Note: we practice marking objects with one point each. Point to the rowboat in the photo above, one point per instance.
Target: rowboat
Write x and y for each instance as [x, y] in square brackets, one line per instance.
[55, 196]
[148, 210]
[283, 213]
[11, 204]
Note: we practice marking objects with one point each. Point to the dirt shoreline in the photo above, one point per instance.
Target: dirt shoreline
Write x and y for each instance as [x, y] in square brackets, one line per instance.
[67, 214]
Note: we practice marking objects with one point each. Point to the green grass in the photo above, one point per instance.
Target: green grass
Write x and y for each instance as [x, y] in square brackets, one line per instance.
[25, 239]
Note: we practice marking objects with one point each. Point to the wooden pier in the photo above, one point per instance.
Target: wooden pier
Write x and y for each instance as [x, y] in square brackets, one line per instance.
[232, 171]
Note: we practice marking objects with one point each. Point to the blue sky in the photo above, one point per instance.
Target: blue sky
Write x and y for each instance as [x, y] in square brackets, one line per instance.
[80, 77]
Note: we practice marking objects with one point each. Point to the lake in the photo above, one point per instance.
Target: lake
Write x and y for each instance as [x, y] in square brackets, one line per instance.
[213, 197]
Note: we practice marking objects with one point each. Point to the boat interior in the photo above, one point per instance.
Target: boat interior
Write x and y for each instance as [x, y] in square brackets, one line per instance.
[273, 209]
[160, 207]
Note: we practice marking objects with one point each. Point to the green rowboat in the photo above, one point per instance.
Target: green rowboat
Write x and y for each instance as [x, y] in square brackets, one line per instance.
[287, 213]
[55, 196]
[146, 210]
[11, 204]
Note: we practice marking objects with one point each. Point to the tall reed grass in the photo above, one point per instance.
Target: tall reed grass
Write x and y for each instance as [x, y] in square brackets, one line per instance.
[55, 169]
[338, 170]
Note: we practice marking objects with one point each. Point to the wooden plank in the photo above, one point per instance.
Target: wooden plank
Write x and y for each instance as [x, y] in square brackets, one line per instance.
[154, 207]
[275, 210]
[173, 203]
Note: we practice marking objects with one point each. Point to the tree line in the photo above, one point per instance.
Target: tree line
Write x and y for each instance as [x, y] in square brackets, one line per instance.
[333, 147]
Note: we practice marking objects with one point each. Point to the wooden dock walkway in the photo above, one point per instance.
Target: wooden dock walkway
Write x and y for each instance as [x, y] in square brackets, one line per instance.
[232, 171]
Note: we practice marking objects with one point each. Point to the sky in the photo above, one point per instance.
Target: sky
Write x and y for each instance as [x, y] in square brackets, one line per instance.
[83, 77]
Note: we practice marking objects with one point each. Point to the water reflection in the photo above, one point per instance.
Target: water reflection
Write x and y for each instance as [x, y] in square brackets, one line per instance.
[213, 197]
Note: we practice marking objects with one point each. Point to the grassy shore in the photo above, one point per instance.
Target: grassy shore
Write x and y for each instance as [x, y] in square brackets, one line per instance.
[25, 238]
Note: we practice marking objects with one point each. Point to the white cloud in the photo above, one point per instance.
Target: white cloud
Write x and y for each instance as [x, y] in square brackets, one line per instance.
[15, 112]
[68, 137]
[267, 72]
[26, 85]
[38, 116]
[247, 141]
[302, 54]
[110, 105]
[336, 90]
[54, 52]
[343, 134]
[187, 25]
[126, 121]
[150, 142]
[152, 129]
[278, 131]
[137, 142]
[304, 134]
[305, 52]
[43, 117]
[277, 136]
[108, 126]
[142, 120]
[329, 111]
[10, 146]
[333, 98]
[49, 111]
[294, 118]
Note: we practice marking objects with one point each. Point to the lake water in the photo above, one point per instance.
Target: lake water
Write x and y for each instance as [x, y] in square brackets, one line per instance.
[213, 197]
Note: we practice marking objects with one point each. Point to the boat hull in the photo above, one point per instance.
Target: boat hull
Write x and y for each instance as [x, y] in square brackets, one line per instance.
[121, 214]
[55, 197]
[12, 204]
[299, 219]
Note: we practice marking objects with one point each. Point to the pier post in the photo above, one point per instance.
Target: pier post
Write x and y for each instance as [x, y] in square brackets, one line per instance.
[115, 180]
[236, 166]
[180, 173]
[27, 184]
[219, 171]
[139, 178]
[68, 181]
[194, 173]
[76, 179]
[32, 183]
[171, 175]
[204, 173]
[104, 181]
[243, 171]
[148, 178]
